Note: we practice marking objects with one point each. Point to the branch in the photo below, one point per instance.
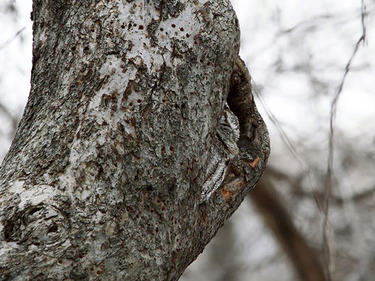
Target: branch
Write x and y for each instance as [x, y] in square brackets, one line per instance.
[10, 40]
[329, 173]
[279, 221]
[9, 115]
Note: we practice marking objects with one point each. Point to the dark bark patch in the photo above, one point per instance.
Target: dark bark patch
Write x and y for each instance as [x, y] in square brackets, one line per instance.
[129, 89]
[151, 31]
[36, 224]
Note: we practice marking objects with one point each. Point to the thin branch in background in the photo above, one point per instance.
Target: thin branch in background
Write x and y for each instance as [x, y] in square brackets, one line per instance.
[314, 21]
[329, 173]
[10, 40]
[14, 120]
[289, 144]
[310, 22]
[339, 200]
[9, 115]
[279, 221]
[3, 109]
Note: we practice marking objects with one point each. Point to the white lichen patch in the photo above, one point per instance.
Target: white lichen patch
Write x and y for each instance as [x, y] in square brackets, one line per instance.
[16, 187]
[39, 194]
[5, 249]
[182, 28]
[117, 78]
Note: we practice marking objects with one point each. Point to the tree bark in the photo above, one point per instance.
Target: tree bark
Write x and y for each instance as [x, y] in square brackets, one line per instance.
[104, 178]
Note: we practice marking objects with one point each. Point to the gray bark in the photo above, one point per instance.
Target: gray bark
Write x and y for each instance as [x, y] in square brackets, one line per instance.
[104, 178]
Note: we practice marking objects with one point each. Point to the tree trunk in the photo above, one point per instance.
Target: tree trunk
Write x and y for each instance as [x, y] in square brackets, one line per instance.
[121, 168]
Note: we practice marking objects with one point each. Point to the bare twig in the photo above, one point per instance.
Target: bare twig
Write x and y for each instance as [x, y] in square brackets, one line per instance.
[10, 40]
[289, 144]
[10, 116]
[339, 200]
[329, 173]
[308, 22]
[314, 21]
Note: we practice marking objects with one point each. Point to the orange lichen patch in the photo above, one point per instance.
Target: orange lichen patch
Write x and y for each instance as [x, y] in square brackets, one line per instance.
[226, 193]
[254, 163]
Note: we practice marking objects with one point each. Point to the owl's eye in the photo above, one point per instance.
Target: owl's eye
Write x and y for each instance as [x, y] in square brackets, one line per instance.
[225, 126]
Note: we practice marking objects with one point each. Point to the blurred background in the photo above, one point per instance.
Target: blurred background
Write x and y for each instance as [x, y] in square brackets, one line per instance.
[313, 66]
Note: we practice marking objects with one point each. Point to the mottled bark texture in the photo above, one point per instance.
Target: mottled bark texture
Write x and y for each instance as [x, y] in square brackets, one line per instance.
[103, 180]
